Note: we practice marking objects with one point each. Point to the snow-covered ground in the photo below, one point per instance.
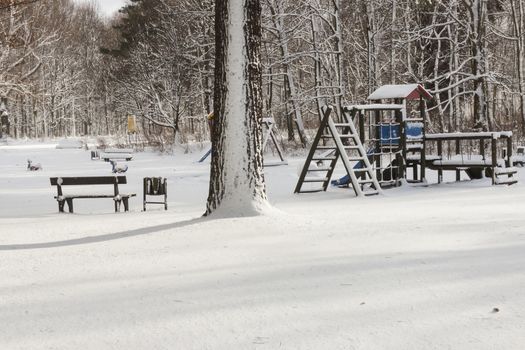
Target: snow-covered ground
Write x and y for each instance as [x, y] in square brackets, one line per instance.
[437, 267]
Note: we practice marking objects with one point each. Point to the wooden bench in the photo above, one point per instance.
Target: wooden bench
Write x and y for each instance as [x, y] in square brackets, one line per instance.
[117, 153]
[117, 197]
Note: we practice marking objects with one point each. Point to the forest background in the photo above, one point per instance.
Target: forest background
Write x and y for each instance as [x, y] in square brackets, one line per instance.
[67, 71]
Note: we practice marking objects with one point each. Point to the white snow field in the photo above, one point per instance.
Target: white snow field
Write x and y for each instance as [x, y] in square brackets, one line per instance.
[437, 267]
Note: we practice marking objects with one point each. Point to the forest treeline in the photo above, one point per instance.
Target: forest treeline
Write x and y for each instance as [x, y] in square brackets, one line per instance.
[66, 71]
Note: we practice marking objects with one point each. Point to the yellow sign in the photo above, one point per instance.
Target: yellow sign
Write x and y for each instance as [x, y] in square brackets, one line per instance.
[132, 124]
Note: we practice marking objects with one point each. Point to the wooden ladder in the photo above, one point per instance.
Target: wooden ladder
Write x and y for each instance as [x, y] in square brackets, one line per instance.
[344, 139]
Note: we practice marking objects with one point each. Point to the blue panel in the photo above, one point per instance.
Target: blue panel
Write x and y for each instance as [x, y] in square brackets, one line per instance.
[415, 130]
[389, 134]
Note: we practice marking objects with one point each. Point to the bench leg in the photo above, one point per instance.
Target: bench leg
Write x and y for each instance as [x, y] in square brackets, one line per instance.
[70, 204]
[61, 206]
[117, 206]
[126, 205]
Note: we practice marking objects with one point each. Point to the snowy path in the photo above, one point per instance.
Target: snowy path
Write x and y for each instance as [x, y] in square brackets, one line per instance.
[417, 268]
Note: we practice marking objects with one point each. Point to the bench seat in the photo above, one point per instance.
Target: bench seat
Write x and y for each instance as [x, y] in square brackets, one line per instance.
[109, 156]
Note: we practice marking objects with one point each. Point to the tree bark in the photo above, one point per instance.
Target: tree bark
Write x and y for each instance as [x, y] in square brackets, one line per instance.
[237, 185]
[477, 12]
[518, 21]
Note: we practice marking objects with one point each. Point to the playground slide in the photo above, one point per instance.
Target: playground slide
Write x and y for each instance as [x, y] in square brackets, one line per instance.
[345, 180]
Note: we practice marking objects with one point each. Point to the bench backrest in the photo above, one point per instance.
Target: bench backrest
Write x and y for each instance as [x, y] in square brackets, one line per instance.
[155, 186]
[88, 180]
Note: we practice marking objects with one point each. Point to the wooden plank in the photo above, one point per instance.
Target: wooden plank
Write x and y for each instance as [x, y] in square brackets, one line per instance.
[87, 196]
[88, 180]
[494, 159]
[440, 154]
[458, 172]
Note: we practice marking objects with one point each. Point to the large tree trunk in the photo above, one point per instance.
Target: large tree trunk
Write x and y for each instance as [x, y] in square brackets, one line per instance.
[518, 20]
[237, 183]
[477, 12]
[370, 30]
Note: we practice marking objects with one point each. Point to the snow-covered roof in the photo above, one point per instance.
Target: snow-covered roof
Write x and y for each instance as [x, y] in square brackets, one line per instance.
[407, 91]
[375, 106]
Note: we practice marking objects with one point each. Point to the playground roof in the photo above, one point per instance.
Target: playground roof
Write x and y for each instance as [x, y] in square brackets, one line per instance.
[407, 91]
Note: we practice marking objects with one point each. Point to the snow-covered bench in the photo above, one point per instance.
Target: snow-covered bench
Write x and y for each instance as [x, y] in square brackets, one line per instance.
[70, 144]
[117, 153]
[117, 197]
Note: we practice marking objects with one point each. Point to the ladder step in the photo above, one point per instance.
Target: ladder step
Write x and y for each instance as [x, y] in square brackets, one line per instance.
[370, 193]
[392, 182]
[355, 159]
[339, 125]
[367, 181]
[505, 171]
[320, 169]
[324, 158]
[326, 147]
[509, 181]
[312, 191]
[414, 120]
[315, 179]
[362, 170]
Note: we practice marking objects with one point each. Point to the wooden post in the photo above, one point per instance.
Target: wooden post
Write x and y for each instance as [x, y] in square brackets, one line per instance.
[361, 120]
[508, 160]
[494, 159]
[377, 145]
[403, 146]
[440, 154]
[458, 172]
[117, 201]
[482, 148]
[423, 151]
[165, 185]
[144, 188]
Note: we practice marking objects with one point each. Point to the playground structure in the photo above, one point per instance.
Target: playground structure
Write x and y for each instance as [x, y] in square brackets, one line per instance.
[268, 134]
[379, 142]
